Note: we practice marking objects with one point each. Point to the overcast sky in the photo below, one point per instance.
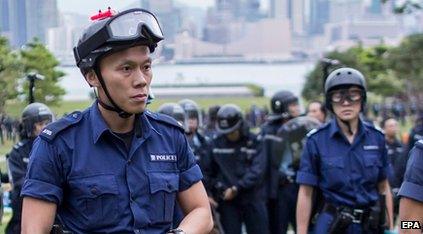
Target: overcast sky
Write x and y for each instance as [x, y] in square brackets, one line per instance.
[89, 7]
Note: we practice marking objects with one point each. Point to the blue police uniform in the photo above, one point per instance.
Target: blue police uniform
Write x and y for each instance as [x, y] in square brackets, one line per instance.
[346, 174]
[412, 187]
[100, 186]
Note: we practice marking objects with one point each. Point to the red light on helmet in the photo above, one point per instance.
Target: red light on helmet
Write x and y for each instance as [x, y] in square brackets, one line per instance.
[103, 15]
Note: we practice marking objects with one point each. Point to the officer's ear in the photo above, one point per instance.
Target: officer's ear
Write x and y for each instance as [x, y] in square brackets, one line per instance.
[92, 79]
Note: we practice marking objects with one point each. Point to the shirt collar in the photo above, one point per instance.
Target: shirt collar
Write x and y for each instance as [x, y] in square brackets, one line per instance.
[334, 128]
[142, 126]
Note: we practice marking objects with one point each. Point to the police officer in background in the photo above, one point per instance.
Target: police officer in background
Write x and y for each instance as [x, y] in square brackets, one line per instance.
[281, 189]
[34, 118]
[397, 159]
[346, 161]
[115, 167]
[411, 191]
[197, 141]
[234, 173]
[416, 133]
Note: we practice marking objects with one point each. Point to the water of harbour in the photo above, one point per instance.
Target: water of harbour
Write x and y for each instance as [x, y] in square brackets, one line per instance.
[272, 77]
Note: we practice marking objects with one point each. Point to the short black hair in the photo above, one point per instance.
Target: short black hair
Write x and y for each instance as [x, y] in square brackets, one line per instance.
[384, 120]
[322, 107]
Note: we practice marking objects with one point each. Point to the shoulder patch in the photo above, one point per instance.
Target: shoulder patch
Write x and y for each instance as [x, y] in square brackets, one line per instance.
[165, 119]
[51, 131]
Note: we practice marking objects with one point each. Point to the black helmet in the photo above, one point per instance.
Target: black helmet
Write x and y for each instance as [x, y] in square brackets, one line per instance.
[343, 78]
[174, 110]
[191, 109]
[32, 114]
[229, 119]
[114, 32]
[279, 104]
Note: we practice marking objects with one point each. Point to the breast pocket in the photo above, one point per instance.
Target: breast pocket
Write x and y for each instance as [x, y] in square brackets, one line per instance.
[333, 172]
[373, 164]
[96, 200]
[163, 188]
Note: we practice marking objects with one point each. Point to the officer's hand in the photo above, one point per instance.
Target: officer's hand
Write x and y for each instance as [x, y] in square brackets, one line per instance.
[230, 193]
[213, 203]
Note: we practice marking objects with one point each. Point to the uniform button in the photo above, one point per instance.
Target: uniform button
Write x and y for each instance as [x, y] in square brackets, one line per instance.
[129, 161]
[94, 191]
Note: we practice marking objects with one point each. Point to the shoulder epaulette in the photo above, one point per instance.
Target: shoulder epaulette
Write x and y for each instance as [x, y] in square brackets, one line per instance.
[311, 132]
[419, 144]
[374, 127]
[316, 130]
[51, 131]
[165, 119]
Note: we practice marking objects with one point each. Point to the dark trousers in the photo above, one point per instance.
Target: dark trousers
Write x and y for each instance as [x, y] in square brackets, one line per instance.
[324, 221]
[14, 225]
[282, 209]
[252, 214]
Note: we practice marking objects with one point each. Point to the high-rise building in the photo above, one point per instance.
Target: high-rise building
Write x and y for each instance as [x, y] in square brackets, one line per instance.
[4, 16]
[280, 9]
[17, 22]
[299, 17]
[319, 16]
[27, 19]
[40, 16]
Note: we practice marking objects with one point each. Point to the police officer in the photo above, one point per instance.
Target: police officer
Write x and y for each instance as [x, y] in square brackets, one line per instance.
[34, 118]
[210, 128]
[197, 141]
[396, 158]
[281, 189]
[346, 161]
[411, 204]
[175, 111]
[115, 167]
[234, 173]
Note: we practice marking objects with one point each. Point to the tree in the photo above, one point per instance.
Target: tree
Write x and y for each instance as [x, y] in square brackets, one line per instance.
[406, 61]
[407, 6]
[10, 70]
[370, 61]
[36, 57]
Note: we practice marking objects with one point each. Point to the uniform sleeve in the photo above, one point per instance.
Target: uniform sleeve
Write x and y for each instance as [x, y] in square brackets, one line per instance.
[412, 187]
[254, 173]
[385, 169]
[308, 172]
[44, 178]
[190, 172]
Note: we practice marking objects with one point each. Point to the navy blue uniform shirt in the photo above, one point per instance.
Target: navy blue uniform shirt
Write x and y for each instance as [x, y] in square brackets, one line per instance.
[412, 187]
[100, 186]
[347, 174]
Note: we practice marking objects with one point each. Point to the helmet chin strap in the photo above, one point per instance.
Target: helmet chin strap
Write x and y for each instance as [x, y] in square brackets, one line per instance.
[123, 114]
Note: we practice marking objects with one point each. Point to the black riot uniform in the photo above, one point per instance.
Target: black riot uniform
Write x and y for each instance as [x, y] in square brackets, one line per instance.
[416, 133]
[18, 159]
[281, 189]
[397, 163]
[237, 164]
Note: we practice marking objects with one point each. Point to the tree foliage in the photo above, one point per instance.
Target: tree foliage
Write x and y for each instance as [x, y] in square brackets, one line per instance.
[35, 57]
[10, 71]
[370, 61]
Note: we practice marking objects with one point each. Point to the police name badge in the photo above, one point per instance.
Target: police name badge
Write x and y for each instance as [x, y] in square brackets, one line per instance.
[163, 158]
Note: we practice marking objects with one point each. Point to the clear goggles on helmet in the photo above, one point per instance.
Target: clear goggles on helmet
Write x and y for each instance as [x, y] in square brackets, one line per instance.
[341, 95]
[127, 27]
